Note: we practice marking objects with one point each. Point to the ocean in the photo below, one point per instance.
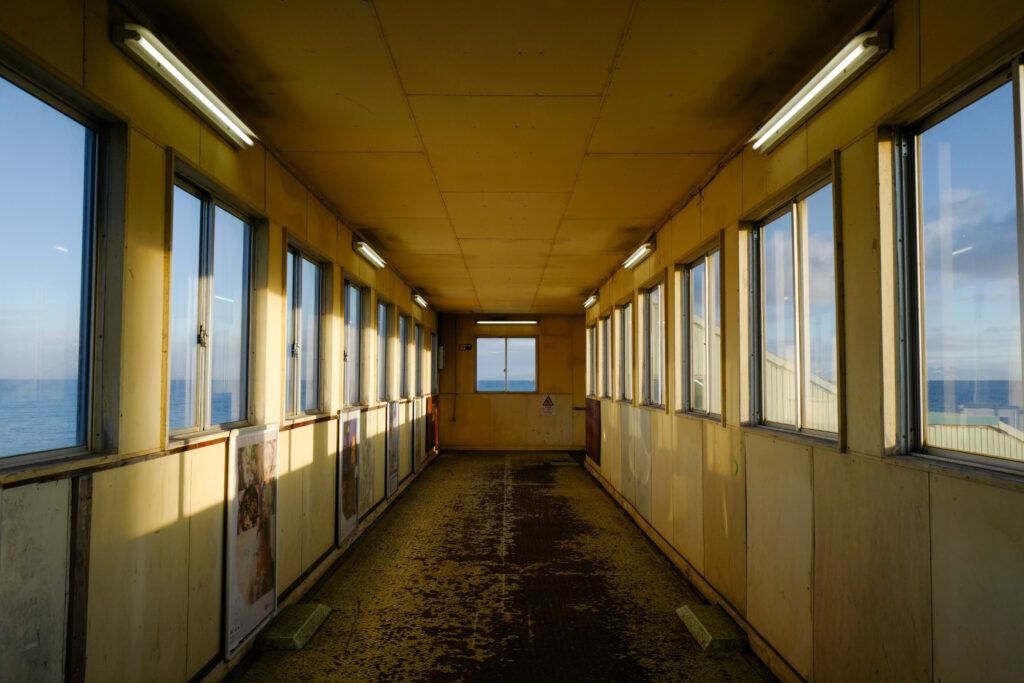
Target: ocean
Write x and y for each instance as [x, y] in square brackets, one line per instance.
[513, 385]
[39, 415]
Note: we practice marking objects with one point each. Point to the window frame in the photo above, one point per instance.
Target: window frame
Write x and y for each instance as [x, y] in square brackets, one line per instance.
[384, 369]
[591, 377]
[819, 178]
[684, 373]
[418, 358]
[625, 371]
[403, 321]
[506, 390]
[909, 234]
[646, 399]
[604, 326]
[360, 366]
[210, 201]
[291, 403]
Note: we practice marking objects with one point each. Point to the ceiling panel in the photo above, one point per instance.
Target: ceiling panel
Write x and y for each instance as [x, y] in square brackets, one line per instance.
[599, 235]
[526, 215]
[416, 235]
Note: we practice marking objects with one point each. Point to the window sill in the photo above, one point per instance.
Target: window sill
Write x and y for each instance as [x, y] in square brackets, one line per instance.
[197, 439]
[791, 435]
[658, 407]
[1006, 475]
[710, 417]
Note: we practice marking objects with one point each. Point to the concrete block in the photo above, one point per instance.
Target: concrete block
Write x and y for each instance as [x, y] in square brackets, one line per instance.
[713, 628]
[293, 627]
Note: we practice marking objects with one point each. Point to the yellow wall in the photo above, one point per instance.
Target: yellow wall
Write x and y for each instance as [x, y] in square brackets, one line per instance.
[471, 420]
[852, 565]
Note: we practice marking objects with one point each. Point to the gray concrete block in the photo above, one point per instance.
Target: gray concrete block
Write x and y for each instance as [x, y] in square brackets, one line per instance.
[712, 627]
[293, 627]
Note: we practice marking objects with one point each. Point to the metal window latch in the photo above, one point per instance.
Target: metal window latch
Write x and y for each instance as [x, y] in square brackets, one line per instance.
[344, 356]
[203, 338]
[295, 349]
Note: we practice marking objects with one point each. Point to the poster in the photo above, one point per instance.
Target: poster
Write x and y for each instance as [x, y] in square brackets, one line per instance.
[431, 424]
[348, 474]
[367, 450]
[251, 566]
[392, 449]
[594, 430]
[547, 406]
[420, 432]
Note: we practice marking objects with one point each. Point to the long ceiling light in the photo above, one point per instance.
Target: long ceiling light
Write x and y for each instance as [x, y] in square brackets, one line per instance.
[639, 255]
[506, 322]
[140, 43]
[420, 301]
[369, 254]
[591, 300]
[858, 54]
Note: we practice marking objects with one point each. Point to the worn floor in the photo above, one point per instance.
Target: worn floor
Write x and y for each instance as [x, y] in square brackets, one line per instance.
[502, 567]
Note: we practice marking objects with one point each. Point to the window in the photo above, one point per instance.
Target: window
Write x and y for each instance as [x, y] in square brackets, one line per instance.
[592, 361]
[654, 346]
[47, 195]
[625, 317]
[433, 363]
[418, 352]
[700, 311]
[506, 364]
[797, 307]
[403, 356]
[209, 344]
[966, 282]
[353, 357]
[302, 367]
[385, 321]
[606, 357]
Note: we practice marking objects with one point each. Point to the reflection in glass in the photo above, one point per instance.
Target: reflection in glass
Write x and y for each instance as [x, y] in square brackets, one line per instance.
[656, 345]
[490, 364]
[970, 298]
[522, 364]
[290, 348]
[184, 346]
[698, 339]
[626, 353]
[309, 340]
[606, 358]
[382, 351]
[229, 324]
[820, 392]
[353, 342]
[779, 316]
[714, 382]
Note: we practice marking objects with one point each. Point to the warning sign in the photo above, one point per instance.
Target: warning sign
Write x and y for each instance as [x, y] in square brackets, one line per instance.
[547, 406]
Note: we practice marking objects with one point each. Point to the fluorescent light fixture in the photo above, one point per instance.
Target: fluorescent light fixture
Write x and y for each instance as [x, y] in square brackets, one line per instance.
[141, 44]
[856, 55]
[639, 255]
[506, 322]
[420, 301]
[591, 300]
[369, 254]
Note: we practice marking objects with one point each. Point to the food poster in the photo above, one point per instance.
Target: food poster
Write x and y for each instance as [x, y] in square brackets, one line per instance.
[392, 448]
[348, 475]
[251, 533]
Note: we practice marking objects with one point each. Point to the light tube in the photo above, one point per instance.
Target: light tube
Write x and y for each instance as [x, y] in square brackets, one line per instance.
[143, 45]
[591, 300]
[639, 255]
[506, 322]
[855, 55]
[369, 254]
[420, 301]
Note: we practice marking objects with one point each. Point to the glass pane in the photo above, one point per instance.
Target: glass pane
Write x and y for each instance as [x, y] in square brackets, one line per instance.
[627, 351]
[591, 361]
[289, 351]
[971, 300]
[229, 326]
[309, 341]
[433, 363]
[522, 364]
[184, 346]
[714, 382]
[779, 363]
[403, 356]
[698, 339]
[382, 352]
[418, 355]
[353, 343]
[45, 230]
[490, 364]
[606, 357]
[657, 334]
[821, 394]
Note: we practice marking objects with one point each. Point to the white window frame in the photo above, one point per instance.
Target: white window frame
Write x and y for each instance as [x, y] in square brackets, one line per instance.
[684, 277]
[293, 290]
[506, 390]
[625, 352]
[649, 328]
[604, 326]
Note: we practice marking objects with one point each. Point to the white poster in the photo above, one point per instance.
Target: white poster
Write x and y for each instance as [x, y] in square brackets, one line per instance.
[348, 474]
[251, 565]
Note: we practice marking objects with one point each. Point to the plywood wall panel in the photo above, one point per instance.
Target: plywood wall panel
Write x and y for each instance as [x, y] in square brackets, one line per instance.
[290, 462]
[725, 514]
[662, 454]
[688, 489]
[206, 469]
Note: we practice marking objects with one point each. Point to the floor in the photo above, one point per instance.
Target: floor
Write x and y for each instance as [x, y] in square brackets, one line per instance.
[503, 567]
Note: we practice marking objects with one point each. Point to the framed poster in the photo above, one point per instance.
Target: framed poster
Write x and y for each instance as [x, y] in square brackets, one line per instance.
[391, 449]
[251, 581]
[348, 474]
[431, 423]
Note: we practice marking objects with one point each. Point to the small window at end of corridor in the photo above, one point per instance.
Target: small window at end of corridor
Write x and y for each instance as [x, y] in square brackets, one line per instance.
[506, 364]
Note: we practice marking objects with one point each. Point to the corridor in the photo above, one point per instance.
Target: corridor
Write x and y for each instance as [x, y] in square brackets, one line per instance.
[503, 567]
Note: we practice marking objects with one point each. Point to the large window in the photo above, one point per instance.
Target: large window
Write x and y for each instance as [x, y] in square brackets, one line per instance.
[302, 369]
[506, 364]
[403, 356]
[652, 311]
[966, 193]
[433, 363]
[47, 190]
[385, 321]
[592, 361]
[353, 357]
[209, 344]
[605, 325]
[701, 342]
[797, 371]
[624, 316]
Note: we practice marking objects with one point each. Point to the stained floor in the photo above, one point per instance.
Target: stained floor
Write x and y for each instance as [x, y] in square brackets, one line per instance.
[502, 567]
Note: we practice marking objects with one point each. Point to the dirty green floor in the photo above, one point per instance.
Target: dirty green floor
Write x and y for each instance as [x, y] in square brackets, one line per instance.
[501, 567]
